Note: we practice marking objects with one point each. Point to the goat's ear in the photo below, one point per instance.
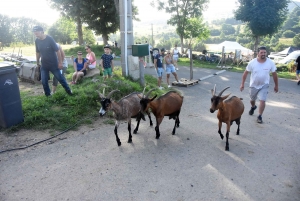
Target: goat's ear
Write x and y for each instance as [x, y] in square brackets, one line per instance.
[139, 96]
[153, 98]
[224, 97]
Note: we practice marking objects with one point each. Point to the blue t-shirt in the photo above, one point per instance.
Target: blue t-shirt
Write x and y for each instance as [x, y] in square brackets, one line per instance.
[47, 49]
[106, 58]
[80, 65]
[159, 60]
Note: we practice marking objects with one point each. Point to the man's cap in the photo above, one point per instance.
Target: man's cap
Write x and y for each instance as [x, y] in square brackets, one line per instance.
[106, 46]
[37, 28]
[162, 49]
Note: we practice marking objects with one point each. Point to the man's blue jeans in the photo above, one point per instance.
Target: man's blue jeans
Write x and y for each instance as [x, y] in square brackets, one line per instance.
[56, 72]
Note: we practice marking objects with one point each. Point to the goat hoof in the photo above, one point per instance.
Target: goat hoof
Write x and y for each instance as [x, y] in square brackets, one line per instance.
[157, 137]
[135, 132]
[129, 141]
[119, 143]
[226, 148]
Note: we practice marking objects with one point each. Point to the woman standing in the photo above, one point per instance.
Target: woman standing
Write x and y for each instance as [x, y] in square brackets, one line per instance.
[170, 68]
[175, 56]
[80, 65]
[90, 57]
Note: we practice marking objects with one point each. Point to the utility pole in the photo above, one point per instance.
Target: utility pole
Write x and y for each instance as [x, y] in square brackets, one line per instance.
[126, 33]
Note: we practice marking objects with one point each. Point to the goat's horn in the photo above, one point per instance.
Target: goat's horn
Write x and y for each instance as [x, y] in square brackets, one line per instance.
[150, 92]
[220, 94]
[100, 95]
[144, 90]
[214, 90]
[111, 93]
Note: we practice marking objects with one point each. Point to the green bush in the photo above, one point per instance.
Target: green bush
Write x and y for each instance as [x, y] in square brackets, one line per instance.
[288, 34]
[97, 49]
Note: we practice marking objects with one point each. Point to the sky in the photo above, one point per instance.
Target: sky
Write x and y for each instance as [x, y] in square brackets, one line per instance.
[40, 10]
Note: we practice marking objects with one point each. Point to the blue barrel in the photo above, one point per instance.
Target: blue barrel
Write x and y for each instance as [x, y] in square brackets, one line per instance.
[10, 101]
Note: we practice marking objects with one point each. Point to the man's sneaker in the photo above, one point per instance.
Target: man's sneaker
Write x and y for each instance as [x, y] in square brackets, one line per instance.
[259, 119]
[169, 86]
[177, 68]
[160, 87]
[252, 110]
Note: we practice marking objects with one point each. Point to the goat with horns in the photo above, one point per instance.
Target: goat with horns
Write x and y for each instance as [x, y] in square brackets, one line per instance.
[230, 110]
[125, 109]
[168, 104]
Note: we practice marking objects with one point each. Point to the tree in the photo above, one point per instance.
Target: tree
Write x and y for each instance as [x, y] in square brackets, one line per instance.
[227, 29]
[63, 30]
[195, 30]
[262, 17]
[88, 36]
[215, 32]
[102, 18]
[73, 9]
[288, 34]
[296, 40]
[180, 11]
[5, 30]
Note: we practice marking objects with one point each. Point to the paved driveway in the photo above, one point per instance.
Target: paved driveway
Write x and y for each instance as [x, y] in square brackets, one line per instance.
[262, 164]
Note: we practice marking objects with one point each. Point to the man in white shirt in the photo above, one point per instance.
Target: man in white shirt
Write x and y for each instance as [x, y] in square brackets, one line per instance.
[260, 69]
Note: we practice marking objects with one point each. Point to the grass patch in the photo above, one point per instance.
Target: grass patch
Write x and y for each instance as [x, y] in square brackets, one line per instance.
[61, 111]
[286, 41]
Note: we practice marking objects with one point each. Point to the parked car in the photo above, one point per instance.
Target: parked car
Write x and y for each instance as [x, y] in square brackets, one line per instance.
[291, 57]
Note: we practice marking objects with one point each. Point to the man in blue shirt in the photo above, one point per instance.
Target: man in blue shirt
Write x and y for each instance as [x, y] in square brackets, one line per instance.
[51, 60]
[158, 64]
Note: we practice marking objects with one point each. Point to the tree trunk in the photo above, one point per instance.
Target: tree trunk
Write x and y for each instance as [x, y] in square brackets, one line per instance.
[256, 46]
[191, 61]
[181, 40]
[105, 39]
[79, 31]
[117, 6]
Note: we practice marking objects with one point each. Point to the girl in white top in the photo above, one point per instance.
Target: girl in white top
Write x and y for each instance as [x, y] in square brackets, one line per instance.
[91, 57]
[175, 54]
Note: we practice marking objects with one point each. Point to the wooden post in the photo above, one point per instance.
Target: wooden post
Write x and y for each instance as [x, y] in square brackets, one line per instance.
[142, 71]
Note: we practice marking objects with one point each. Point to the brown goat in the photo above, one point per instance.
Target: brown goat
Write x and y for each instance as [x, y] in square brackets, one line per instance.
[168, 104]
[229, 111]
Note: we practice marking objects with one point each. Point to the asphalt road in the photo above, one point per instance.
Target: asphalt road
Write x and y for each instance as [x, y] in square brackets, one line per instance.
[262, 164]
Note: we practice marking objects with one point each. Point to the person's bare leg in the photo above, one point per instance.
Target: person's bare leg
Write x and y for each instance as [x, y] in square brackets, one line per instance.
[176, 77]
[159, 81]
[261, 108]
[168, 78]
[252, 103]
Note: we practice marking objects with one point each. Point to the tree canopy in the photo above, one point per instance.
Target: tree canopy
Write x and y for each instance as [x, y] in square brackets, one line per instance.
[181, 11]
[262, 17]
